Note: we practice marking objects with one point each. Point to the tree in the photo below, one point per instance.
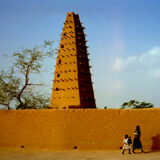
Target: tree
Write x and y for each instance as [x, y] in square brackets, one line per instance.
[133, 104]
[17, 90]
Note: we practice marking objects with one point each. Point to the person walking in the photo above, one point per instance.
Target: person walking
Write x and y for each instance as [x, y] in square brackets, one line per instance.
[126, 144]
[137, 142]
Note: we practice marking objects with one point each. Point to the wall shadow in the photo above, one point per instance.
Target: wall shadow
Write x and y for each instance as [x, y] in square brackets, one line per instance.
[156, 142]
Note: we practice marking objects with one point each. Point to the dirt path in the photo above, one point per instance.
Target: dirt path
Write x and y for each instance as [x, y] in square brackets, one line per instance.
[32, 154]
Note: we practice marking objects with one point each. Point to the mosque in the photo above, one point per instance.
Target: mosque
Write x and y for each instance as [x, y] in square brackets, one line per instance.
[72, 85]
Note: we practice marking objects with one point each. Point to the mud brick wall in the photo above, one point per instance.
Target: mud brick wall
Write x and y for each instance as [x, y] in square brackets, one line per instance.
[79, 128]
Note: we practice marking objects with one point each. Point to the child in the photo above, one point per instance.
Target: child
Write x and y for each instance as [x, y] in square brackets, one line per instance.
[126, 144]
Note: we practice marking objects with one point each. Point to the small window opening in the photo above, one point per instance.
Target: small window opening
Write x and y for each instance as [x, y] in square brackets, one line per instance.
[58, 75]
[75, 147]
[62, 46]
[59, 61]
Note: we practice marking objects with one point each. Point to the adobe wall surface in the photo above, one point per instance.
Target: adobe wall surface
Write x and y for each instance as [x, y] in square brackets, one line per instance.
[84, 128]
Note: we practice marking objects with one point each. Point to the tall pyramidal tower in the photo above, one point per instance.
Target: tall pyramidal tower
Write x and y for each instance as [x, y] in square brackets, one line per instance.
[72, 85]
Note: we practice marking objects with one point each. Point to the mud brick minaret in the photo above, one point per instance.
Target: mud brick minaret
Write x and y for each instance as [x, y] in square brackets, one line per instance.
[72, 85]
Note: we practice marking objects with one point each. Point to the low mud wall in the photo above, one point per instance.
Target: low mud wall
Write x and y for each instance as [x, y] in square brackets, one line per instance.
[81, 129]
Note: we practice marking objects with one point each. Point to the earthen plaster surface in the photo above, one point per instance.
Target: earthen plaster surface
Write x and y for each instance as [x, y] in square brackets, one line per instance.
[83, 128]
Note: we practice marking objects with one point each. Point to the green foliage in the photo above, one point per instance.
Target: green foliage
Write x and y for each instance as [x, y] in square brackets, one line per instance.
[133, 104]
[9, 87]
[35, 102]
[105, 107]
[18, 90]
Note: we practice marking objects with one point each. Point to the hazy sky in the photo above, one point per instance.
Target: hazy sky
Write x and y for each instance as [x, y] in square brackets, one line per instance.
[123, 38]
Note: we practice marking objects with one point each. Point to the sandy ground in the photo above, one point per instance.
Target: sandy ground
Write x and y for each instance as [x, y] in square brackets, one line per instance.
[32, 154]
